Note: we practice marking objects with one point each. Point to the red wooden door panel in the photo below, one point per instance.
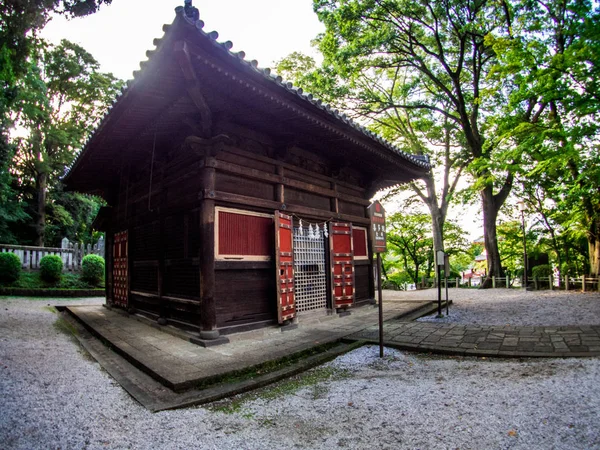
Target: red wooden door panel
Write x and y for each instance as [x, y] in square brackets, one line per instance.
[120, 270]
[284, 263]
[342, 264]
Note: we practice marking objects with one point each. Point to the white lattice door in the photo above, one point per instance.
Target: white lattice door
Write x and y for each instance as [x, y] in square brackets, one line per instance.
[309, 270]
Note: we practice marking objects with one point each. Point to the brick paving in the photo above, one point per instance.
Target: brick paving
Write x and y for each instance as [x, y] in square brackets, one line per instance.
[482, 340]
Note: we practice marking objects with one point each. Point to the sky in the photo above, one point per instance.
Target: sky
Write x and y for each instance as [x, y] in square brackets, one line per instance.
[119, 35]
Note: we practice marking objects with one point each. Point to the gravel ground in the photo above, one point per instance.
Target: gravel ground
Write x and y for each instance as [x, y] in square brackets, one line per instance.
[55, 396]
[512, 306]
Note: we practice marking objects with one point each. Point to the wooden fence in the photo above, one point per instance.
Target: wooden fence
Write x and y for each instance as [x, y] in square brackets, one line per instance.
[583, 283]
[71, 254]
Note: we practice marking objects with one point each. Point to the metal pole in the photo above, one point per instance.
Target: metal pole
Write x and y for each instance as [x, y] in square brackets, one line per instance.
[524, 251]
[446, 294]
[439, 290]
[380, 301]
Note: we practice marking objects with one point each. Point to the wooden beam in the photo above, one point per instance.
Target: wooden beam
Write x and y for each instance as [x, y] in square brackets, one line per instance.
[291, 167]
[184, 59]
[271, 205]
[278, 179]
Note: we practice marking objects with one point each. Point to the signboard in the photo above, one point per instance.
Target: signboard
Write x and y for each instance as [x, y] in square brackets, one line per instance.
[377, 231]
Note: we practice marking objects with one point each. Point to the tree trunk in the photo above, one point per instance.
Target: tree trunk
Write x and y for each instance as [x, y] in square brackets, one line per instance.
[490, 214]
[40, 219]
[594, 249]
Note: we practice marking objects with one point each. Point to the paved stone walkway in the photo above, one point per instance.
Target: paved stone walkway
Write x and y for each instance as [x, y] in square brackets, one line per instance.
[481, 340]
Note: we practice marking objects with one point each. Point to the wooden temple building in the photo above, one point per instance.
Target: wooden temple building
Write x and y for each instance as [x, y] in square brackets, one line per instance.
[235, 200]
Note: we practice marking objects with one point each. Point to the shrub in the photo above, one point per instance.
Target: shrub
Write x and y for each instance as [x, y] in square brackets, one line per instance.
[92, 269]
[51, 268]
[10, 267]
[568, 269]
[541, 271]
[389, 284]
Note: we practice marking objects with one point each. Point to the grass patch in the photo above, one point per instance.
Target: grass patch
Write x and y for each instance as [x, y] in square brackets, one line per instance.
[313, 379]
[32, 280]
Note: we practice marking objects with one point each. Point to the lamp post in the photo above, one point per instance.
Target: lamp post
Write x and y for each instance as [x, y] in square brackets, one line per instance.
[522, 209]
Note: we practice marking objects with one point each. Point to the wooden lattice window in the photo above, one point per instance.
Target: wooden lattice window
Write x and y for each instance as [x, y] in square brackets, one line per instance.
[243, 235]
[359, 237]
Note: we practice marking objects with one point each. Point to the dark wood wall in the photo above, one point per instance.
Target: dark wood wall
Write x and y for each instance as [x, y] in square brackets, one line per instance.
[159, 198]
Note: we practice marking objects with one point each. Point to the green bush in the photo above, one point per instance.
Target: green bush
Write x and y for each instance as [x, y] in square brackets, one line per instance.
[541, 271]
[92, 269]
[389, 284]
[568, 269]
[10, 267]
[51, 268]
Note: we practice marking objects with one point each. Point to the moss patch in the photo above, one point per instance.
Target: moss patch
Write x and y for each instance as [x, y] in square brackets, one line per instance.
[63, 326]
[313, 379]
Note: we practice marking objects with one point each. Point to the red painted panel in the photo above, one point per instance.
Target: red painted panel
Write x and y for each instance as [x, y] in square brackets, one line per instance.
[342, 264]
[242, 234]
[284, 263]
[120, 269]
[359, 236]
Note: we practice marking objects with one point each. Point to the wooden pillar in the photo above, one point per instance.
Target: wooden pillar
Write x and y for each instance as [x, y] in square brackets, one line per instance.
[550, 282]
[208, 312]
[335, 206]
[108, 266]
[162, 320]
[493, 282]
[280, 187]
[582, 283]
[164, 312]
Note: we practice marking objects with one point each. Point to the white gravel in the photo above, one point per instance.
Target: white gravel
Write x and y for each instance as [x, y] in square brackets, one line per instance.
[512, 306]
[54, 396]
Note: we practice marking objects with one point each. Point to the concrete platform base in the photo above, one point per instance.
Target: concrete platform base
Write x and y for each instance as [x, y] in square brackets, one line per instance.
[163, 371]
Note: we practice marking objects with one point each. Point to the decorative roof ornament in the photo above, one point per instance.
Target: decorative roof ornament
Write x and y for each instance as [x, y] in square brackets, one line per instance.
[190, 11]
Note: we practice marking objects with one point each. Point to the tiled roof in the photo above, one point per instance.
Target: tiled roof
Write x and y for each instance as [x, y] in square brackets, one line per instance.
[239, 58]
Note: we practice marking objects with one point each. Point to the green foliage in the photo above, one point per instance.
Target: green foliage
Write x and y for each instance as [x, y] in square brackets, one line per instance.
[19, 49]
[418, 71]
[569, 269]
[10, 267]
[550, 65]
[541, 271]
[60, 99]
[51, 268]
[409, 237]
[92, 269]
[33, 280]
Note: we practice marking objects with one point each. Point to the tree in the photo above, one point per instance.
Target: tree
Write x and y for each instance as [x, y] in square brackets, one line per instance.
[410, 243]
[550, 62]
[372, 96]
[409, 237]
[19, 23]
[441, 47]
[60, 100]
